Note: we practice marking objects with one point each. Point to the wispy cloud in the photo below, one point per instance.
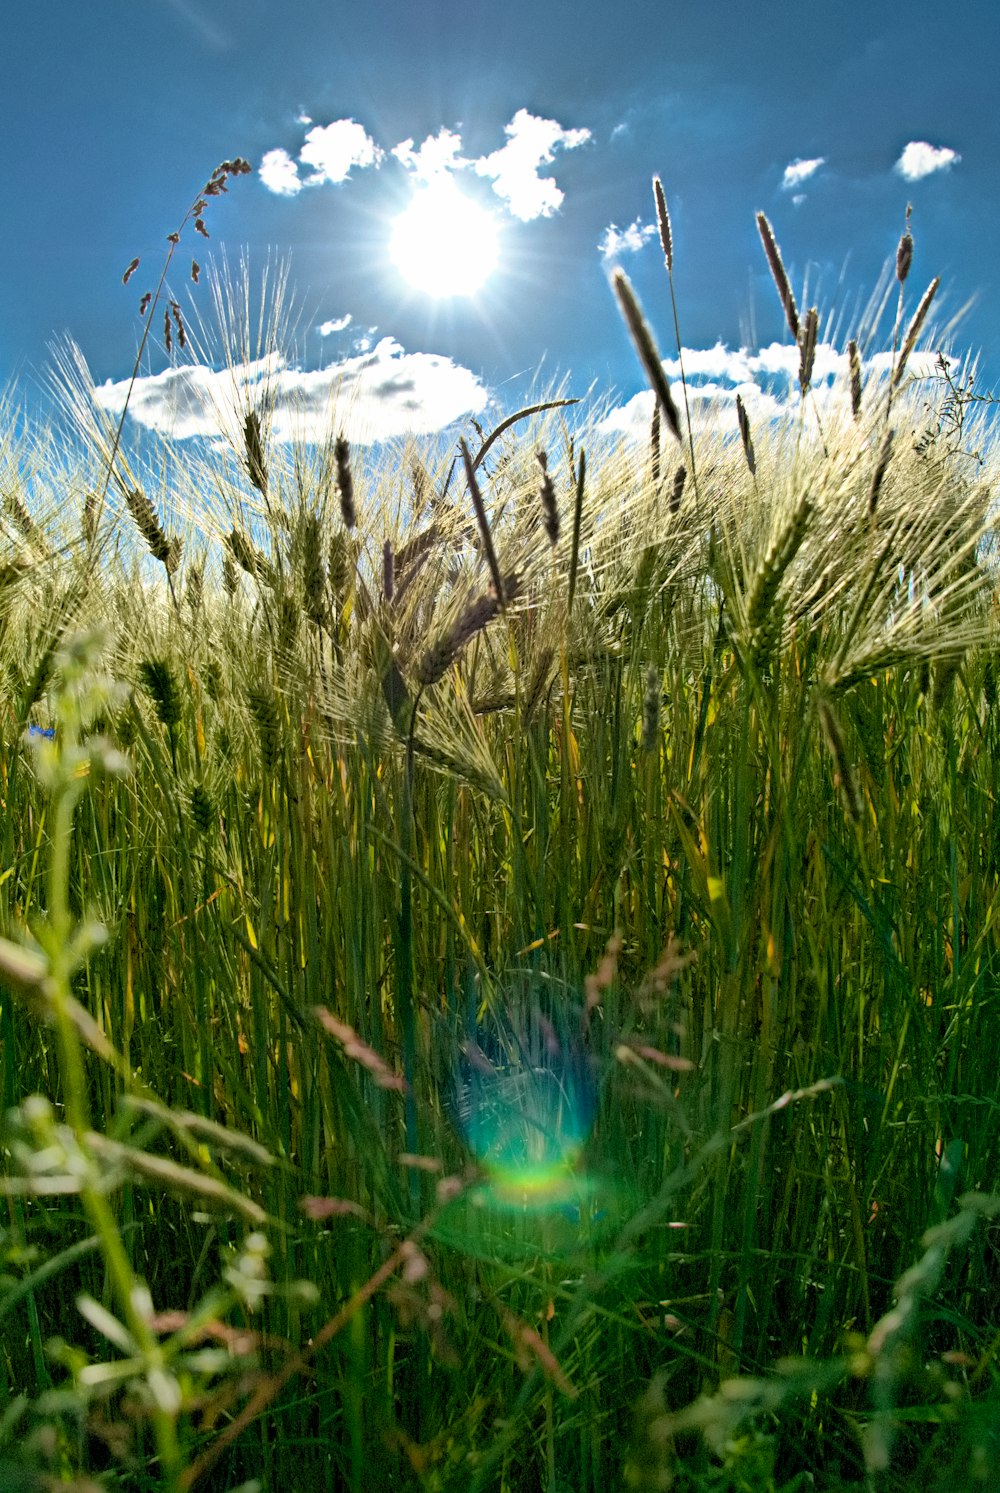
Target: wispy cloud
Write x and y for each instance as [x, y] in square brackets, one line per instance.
[615, 241]
[337, 324]
[920, 159]
[438, 155]
[798, 171]
[374, 396]
[514, 168]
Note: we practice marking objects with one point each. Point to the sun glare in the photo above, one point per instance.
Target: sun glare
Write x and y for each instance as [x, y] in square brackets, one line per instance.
[443, 243]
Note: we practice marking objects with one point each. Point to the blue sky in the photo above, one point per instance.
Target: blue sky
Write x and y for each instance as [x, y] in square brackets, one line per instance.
[550, 119]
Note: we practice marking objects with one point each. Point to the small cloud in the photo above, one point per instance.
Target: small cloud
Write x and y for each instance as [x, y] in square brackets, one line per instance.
[332, 150]
[279, 173]
[437, 155]
[338, 324]
[378, 395]
[920, 159]
[531, 143]
[620, 130]
[798, 171]
[615, 241]
[798, 199]
[303, 119]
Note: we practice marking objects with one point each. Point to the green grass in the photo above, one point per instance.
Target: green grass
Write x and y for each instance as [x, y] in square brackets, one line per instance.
[676, 876]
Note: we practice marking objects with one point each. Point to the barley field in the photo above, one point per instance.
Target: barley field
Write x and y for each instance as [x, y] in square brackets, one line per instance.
[500, 954]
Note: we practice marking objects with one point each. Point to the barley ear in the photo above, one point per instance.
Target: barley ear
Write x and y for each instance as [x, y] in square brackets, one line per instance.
[843, 772]
[881, 467]
[345, 482]
[547, 498]
[253, 452]
[743, 420]
[483, 522]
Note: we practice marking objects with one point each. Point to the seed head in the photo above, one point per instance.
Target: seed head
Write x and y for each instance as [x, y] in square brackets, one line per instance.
[854, 362]
[663, 220]
[345, 482]
[779, 274]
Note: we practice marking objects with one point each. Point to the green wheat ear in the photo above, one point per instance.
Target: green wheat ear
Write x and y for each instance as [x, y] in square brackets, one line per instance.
[161, 686]
[202, 808]
[264, 709]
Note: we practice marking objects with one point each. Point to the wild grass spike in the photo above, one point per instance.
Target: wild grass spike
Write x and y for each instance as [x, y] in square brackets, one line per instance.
[913, 331]
[642, 337]
[854, 374]
[779, 274]
[663, 222]
[677, 490]
[807, 348]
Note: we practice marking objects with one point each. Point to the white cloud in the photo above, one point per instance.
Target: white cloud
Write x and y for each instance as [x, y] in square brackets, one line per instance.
[338, 324]
[798, 171]
[280, 174]
[531, 143]
[767, 382]
[615, 241]
[437, 155]
[920, 159]
[375, 396]
[333, 149]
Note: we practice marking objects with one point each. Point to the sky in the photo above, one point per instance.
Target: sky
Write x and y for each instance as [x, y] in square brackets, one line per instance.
[450, 186]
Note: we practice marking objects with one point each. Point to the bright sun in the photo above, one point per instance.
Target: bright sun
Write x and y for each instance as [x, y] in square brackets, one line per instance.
[443, 243]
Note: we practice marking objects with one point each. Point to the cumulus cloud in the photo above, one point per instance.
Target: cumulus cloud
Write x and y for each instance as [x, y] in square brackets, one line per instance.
[616, 241]
[337, 324]
[280, 174]
[330, 153]
[378, 395]
[798, 171]
[514, 168]
[920, 159]
[438, 155]
[332, 150]
[767, 382]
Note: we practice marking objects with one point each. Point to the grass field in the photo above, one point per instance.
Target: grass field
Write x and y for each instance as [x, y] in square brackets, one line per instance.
[500, 955]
